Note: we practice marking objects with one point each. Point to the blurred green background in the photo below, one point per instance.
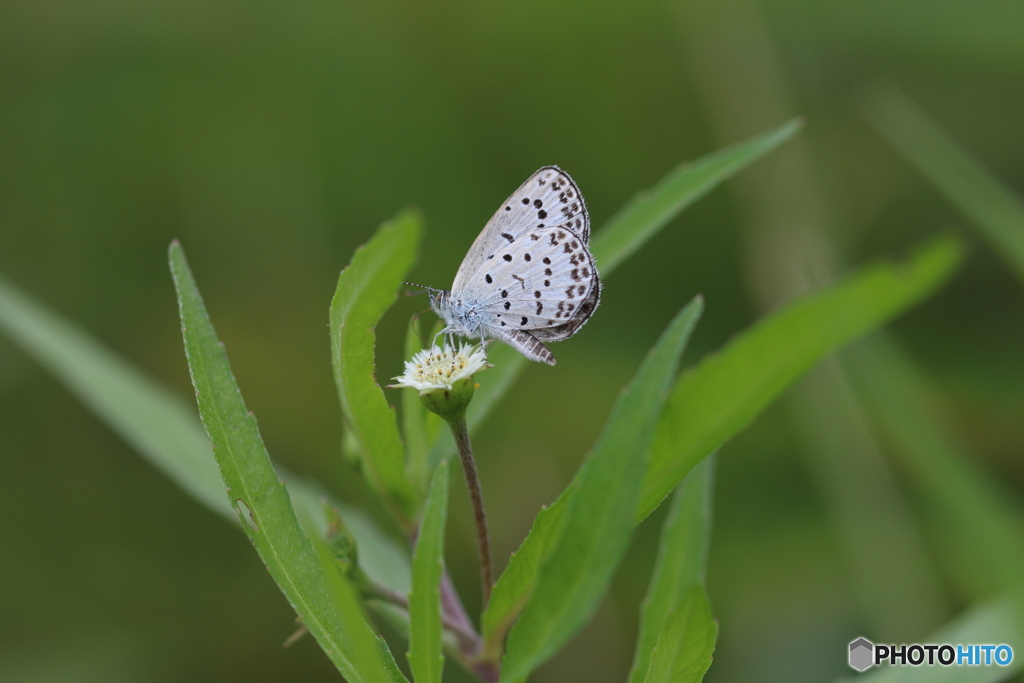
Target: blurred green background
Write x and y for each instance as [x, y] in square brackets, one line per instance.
[272, 138]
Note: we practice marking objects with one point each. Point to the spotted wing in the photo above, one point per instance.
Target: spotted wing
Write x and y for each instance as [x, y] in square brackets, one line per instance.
[548, 198]
[543, 282]
[582, 315]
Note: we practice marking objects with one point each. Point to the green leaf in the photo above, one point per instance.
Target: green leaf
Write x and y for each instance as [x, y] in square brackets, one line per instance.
[381, 557]
[150, 418]
[996, 210]
[164, 429]
[728, 389]
[598, 521]
[685, 644]
[366, 289]
[979, 520]
[648, 212]
[323, 600]
[681, 563]
[513, 586]
[414, 417]
[350, 609]
[998, 622]
[740, 381]
[637, 222]
[425, 657]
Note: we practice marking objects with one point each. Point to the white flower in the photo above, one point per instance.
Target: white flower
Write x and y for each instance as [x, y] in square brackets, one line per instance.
[441, 368]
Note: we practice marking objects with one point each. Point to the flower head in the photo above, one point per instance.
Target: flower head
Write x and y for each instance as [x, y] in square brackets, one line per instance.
[441, 368]
[444, 377]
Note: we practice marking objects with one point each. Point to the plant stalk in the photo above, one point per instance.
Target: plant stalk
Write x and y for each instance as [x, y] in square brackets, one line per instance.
[454, 620]
[461, 433]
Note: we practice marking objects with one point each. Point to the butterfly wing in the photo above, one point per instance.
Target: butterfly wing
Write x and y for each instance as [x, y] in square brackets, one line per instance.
[583, 312]
[548, 198]
[544, 282]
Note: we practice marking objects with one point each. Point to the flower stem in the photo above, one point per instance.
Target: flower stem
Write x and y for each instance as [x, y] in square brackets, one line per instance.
[464, 633]
[461, 434]
[454, 619]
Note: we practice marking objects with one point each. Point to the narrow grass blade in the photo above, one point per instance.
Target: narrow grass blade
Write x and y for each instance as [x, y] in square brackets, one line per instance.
[681, 563]
[979, 520]
[425, 657]
[996, 210]
[686, 641]
[154, 421]
[163, 428]
[997, 622]
[647, 212]
[727, 390]
[260, 499]
[896, 585]
[597, 523]
[366, 289]
[634, 224]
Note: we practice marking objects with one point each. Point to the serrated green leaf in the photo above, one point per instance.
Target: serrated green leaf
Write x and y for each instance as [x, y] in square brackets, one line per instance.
[414, 417]
[741, 380]
[728, 389]
[366, 289]
[1000, 621]
[681, 563]
[513, 587]
[165, 430]
[425, 628]
[597, 523]
[996, 210]
[685, 643]
[636, 222]
[324, 601]
[382, 558]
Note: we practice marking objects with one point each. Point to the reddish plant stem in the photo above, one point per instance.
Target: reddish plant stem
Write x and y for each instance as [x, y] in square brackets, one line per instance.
[465, 634]
[455, 621]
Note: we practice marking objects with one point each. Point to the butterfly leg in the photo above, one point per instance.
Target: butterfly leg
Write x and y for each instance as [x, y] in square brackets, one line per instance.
[484, 343]
[444, 331]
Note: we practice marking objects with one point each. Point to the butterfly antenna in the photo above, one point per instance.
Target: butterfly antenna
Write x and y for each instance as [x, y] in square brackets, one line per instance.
[423, 289]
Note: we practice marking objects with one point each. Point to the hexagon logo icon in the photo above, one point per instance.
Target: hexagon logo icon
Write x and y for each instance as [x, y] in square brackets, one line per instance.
[862, 653]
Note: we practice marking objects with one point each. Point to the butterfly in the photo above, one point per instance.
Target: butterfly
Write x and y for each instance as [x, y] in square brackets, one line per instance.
[529, 277]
